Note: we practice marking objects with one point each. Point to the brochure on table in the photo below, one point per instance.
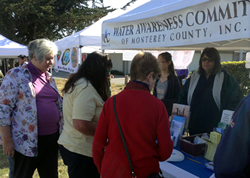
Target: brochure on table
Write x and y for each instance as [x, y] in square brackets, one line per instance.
[226, 116]
[183, 111]
[177, 129]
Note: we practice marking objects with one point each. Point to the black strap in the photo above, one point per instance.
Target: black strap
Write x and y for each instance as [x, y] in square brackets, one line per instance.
[123, 140]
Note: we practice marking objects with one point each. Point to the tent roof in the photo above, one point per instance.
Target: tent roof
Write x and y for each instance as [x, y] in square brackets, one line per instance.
[154, 8]
[91, 35]
[179, 25]
[11, 49]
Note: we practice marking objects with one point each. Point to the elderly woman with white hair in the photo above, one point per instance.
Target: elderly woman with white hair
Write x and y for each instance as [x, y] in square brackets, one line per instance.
[31, 113]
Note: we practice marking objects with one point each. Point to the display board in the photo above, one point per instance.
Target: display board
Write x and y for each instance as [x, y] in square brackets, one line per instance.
[66, 60]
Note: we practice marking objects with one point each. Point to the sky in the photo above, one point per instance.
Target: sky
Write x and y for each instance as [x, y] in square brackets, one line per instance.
[120, 3]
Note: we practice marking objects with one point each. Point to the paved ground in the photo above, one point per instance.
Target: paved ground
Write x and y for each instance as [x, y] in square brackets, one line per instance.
[118, 79]
[60, 74]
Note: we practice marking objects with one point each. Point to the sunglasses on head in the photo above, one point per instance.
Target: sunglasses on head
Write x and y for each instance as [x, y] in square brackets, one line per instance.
[209, 59]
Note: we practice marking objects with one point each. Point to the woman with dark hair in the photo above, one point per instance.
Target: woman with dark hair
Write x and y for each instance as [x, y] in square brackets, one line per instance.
[209, 91]
[144, 122]
[84, 96]
[21, 59]
[167, 87]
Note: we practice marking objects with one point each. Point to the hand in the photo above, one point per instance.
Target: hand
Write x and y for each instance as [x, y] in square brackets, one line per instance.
[8, 147]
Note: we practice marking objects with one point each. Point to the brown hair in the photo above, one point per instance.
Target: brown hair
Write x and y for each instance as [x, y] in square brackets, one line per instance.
[109, 64]
[142, 64]
[211, 53]
[93, 70]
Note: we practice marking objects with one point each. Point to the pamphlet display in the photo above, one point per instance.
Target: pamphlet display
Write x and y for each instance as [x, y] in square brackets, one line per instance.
[177, 128]
[183, 111]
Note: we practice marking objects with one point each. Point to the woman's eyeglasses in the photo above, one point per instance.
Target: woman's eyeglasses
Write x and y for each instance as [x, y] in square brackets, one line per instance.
[207, 59]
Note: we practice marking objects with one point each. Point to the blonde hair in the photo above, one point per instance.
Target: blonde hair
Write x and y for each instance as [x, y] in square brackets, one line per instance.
[142, 64]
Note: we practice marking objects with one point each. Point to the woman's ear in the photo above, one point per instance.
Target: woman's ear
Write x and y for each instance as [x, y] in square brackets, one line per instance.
[33, 57]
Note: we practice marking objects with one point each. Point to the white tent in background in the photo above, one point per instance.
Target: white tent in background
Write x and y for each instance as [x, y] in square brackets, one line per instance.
[181, 25]
[11, 49]
[89, 40]
[91, 35]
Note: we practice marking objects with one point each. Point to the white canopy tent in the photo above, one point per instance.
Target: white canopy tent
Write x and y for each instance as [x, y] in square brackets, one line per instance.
[181, 25]
[11, 49]
[91, 35]
[84, 41]
[87, 40]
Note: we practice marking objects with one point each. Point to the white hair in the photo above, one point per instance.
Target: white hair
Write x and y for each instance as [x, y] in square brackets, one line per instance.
[40, 48]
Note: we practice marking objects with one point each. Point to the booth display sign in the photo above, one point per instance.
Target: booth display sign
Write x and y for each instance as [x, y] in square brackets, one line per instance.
[209, 22]
[67, 60]
[66, 57]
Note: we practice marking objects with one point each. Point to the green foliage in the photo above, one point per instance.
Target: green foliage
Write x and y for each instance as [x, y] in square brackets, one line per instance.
[128, 4]
[26, 20]
[240, 73]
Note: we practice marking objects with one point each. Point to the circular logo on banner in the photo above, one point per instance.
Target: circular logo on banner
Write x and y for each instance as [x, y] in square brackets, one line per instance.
[58, 55]
[106, 37]
[65, 58]
[74, 57]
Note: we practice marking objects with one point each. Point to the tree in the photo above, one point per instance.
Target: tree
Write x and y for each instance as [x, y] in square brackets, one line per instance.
[128, 4]
[26, 20]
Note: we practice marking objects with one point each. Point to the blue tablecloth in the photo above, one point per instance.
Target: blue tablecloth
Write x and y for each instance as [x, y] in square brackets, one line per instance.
[197, 169]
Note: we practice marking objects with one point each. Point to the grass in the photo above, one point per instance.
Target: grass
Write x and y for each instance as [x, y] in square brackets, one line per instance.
[62, 169]
[60, 84]
[4, 164]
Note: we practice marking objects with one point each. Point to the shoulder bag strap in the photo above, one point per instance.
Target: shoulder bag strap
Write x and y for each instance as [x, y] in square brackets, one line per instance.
[123, 140]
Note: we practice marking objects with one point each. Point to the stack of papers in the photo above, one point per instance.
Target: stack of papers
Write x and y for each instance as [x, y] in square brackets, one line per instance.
[212, 144]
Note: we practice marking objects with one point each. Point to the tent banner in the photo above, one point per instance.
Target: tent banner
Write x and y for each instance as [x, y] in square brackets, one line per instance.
[67, 60]
[181, 59]
[207, 22]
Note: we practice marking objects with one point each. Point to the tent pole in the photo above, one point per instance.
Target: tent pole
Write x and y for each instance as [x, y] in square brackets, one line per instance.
[241, 55]
[80, 51]
[80, 55]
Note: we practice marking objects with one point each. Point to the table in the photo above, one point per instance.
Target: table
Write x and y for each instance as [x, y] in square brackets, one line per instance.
[186, 168]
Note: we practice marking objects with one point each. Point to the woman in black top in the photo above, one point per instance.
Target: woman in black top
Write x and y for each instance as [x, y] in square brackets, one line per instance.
[208, 92]
[167, 86]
